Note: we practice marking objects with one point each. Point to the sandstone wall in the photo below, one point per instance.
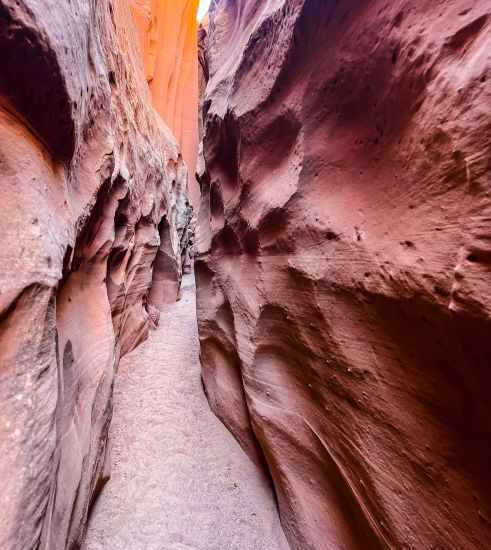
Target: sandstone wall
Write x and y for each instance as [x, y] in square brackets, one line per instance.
[343, 279]
[167, 30]
[93, 212]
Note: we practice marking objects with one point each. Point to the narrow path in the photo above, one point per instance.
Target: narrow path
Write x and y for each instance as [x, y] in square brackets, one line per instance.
[179, 479]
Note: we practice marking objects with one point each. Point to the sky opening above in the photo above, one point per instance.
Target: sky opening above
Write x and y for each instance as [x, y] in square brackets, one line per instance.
[204, 5]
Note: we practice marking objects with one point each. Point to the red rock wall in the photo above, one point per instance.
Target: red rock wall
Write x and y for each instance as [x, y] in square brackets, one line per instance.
[93, 210]
[167, 30]
[343, 279]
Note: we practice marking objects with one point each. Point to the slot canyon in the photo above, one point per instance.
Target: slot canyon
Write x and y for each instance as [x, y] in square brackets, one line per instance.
[245, 274]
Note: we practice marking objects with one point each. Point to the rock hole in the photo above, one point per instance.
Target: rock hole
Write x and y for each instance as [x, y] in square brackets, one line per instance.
[395, 55]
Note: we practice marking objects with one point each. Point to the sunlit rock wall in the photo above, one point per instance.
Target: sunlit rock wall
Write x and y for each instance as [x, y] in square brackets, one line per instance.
[168, 35]
[344, 272]
[93, 213]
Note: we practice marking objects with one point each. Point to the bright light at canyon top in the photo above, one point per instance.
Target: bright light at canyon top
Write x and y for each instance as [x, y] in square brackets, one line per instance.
[203, 9]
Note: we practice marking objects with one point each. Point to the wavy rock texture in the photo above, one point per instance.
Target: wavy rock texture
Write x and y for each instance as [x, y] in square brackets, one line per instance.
[167, 30]
[93, 199]
[203, 77]
[343, 280]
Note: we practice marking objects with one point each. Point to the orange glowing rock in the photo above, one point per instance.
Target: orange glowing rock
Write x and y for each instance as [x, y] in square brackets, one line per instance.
[168, 31]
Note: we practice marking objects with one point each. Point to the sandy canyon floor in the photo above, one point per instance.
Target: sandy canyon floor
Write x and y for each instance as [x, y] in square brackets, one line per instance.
[179, 480]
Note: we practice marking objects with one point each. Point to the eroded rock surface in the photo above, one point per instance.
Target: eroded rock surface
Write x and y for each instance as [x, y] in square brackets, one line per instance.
[93, 202]
[343, 279]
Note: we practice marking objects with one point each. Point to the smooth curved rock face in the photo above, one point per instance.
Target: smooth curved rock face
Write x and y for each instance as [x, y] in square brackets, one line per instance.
[167, 30]
[93, 211]
[343, 281]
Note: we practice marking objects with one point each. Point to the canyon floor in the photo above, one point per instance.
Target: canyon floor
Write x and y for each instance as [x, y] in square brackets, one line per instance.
[179, 480]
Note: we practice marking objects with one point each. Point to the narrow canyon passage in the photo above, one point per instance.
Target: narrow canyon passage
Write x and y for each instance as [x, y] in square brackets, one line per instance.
[327, 165]
[179, 480]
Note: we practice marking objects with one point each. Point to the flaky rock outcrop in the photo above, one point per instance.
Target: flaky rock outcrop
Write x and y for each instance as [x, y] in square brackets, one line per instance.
[344, 259]
[167, 31]
[94, 208]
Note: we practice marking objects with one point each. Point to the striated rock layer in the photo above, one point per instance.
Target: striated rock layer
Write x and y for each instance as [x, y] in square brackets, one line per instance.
[93, 203]
[167, 30]
[343, 280]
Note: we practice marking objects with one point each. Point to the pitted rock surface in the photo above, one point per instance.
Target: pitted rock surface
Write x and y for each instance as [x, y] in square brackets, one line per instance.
[344, 259]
